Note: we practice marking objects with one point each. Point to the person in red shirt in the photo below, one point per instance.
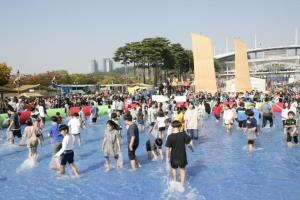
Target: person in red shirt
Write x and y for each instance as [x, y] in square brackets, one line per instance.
[217, 109]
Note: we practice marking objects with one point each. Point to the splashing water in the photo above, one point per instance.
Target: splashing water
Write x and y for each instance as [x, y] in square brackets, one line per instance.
[28, 164]
[121, 159]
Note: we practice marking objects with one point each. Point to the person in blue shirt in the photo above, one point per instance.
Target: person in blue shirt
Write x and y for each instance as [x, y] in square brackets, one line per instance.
[241, 115]
[56, 141]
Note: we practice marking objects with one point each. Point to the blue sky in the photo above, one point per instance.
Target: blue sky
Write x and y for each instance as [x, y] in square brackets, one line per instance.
[40, 35]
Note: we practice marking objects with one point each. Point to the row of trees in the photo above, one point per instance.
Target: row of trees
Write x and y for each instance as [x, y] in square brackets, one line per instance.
[62, 77]
[156, 58]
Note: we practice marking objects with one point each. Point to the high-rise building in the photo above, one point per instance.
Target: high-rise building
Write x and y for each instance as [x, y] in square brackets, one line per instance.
[108, 65]
[102, 68]
[94, 66]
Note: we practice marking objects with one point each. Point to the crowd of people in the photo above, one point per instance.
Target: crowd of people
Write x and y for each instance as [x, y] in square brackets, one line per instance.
[172, 124]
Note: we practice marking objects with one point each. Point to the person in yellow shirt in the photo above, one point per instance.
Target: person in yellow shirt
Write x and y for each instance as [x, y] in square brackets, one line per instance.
[180, 117]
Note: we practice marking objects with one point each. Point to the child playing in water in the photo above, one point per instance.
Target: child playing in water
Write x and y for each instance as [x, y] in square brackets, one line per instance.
[74, 127]
[82, 117]
[116, 119]
[228, 118]
[159, 139]
[217, 109]
[290, 126]
[154, 145]
[111, 144]
[251, 129]
[176, 152]
[33, 136]
[59, 118]
[66, 153]
[140, 120]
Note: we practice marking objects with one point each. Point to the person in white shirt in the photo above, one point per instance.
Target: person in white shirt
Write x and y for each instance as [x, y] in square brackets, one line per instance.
[201, 113]
[294, 106]
[284, 112]
[42, 112]
[66, 152]
[160, 123]
[82, 117]
[228, 118]
[120, 106]
[152, 114]
[74, 126]
[191, 122]
[109, 111]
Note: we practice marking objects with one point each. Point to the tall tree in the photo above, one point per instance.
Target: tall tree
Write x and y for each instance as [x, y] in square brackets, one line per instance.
[156, 50]
[4, 74]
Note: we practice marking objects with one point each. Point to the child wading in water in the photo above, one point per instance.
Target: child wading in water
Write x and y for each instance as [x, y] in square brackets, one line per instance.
[228, 118]
[33, 137]
[111, 144]
[176, 152]
[291, 128]
[251, 129]
[66, 152]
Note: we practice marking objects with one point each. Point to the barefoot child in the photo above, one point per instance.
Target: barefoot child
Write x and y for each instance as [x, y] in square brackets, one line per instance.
[33, 137]
[291, 128]
[74, 127]
[111, 144]
[56, 141]
[66, 153]
[228, 118]
[251, 129]
[176, 152]
[132, 140]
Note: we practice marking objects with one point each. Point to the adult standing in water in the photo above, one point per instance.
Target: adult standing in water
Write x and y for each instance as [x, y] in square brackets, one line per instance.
[133, 141]
[191, 122]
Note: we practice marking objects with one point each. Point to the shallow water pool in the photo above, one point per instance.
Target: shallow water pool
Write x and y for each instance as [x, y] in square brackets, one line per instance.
[219, 168]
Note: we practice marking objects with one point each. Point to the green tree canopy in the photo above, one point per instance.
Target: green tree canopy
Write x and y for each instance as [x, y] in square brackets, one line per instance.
[4, 74]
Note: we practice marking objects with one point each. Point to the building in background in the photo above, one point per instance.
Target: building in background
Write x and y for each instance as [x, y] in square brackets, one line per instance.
[102, 68]
[108, 65]
[94, 66]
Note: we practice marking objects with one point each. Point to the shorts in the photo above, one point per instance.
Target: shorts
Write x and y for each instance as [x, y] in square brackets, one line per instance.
[290, 137]
[94, 119]
[251, 142]
[161, 128]
[140, 122]
[217, 117]
[56, 147]
[175, 164]
[67, 157]
[17, 133]
[242, 124]
[148, 146]
[131, 154]
[159, 143]
[152, 123]
[228, 122]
